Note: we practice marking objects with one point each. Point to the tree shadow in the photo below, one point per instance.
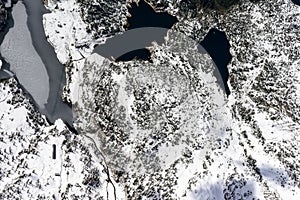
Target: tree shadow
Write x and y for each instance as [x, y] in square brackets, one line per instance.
[276, 175]
[233, 188]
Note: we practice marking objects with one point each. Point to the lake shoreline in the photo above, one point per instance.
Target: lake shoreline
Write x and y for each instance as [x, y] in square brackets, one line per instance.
[55, 107]
[9, 25]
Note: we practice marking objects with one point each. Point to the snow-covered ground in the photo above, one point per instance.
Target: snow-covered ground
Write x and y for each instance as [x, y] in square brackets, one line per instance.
[230, 157]
[27, 168]
[255, 157]
[67, 33]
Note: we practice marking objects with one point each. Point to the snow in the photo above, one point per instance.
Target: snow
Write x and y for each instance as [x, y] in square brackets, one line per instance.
[245, 146]
[28, 170]
[168, 87]
[66, 32]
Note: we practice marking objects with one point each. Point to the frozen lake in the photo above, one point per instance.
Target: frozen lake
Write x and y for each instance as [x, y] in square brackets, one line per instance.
[24, 61]
[34, 61]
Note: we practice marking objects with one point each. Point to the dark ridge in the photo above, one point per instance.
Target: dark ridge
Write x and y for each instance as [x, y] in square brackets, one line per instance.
[139, 54]
[71, 128]
[53, 151]
[5, 16]
[217, 46]
[143, 15]
[216, 4]
[6, 24]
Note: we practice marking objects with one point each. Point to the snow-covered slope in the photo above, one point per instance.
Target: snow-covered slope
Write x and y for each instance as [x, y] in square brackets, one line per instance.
[67, 33]
[152, 119]
[27, 167]
[221, 149]
[251, 154]
[264, 81]
[74, 27]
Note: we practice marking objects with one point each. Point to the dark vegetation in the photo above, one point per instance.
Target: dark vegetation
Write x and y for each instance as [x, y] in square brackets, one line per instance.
[220, 5]
[5, 9]
[105, 14]
[3, 15]
[217, 4]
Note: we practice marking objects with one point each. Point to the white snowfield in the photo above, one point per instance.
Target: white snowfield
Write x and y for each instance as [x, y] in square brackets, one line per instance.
[28, 170]
[256, 157]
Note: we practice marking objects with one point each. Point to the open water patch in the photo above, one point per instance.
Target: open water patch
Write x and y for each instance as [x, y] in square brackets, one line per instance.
[297, 2]
[217, 46]
[144, 26]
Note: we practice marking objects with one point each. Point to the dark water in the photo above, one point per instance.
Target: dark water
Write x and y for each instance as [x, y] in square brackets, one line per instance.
[217, 46]
[297, 2]
[4, 75]
[139, 54]
[143, 15]
[131, 44]
[144, 26]
[55, 107]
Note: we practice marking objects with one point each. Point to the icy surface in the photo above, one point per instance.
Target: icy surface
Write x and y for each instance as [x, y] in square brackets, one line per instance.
[25, 62]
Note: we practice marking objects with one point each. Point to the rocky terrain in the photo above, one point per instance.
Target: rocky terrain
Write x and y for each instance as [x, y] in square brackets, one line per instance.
[3, 14]
[264, 106]
[162, 130]
[153, 118]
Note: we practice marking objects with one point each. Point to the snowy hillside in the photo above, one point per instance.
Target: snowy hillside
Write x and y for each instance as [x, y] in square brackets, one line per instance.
[162, 129]
[28, 168]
